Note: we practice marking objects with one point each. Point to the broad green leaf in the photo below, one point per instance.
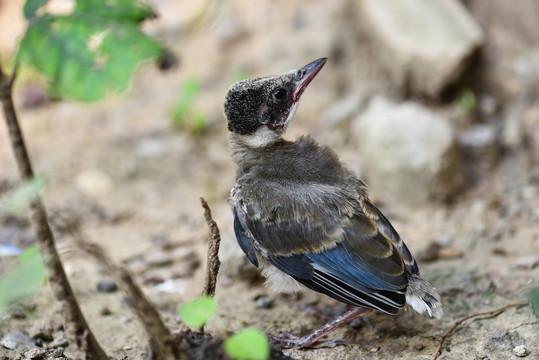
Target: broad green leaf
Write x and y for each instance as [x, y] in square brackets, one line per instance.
[22, 281]
[248, 344]
[90, 52]
[25, 193]
[31, 6]
[197, 312]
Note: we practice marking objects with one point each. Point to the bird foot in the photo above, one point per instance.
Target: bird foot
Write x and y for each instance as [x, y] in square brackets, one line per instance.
[313, 340]
[292, 341]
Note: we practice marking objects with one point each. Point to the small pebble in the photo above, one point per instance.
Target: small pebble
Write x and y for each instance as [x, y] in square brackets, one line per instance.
[106, 286]
[263, 302]
[520, 350]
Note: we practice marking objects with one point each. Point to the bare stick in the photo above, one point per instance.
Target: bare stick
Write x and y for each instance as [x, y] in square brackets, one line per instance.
[162, 344]
[467, 317]
[76, 324]
[213, 265]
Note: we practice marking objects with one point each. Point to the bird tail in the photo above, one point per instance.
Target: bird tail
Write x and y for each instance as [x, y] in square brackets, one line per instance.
[422, 297]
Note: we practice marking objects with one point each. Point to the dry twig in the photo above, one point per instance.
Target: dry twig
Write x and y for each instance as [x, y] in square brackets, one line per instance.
[467, 317]
[75, 323]
[162, 344]
[213, 265]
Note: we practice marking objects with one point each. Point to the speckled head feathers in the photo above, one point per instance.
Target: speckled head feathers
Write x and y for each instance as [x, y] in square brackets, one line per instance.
[268, 101]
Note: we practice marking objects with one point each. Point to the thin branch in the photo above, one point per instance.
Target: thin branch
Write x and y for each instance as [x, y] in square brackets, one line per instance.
[213, 265]
[467, 317]
[76, 324]
[162, 344]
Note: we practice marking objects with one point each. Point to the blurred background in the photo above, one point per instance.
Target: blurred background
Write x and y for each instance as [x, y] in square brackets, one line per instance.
[434, 104]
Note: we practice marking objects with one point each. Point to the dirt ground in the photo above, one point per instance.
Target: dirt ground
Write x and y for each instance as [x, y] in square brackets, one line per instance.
[136, 180]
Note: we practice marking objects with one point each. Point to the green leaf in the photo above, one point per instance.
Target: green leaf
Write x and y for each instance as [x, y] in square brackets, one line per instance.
[124, 10]
[24, 194]
[22, 281]
[467, 101]
[91, 51]
[249, 344]
[197, 312]
[31, 6]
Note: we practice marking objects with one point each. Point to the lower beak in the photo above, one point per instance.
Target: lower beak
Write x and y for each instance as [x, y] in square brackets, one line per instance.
[305, 75]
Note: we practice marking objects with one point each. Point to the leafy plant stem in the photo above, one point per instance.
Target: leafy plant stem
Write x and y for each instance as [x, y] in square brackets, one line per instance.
[75, 321]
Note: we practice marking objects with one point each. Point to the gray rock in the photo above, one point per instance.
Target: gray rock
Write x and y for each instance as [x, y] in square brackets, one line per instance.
[520, 351]
[409, 152]
[502, 341]
[424, 44]
[16, 339]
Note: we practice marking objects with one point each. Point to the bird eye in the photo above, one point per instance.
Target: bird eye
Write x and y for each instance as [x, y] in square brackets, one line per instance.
[279, 94]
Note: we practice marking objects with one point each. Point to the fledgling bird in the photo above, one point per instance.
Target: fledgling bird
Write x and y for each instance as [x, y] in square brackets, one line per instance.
[303, 218]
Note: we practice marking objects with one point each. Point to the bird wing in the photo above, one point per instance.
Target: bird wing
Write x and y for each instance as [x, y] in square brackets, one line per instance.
[319, 235]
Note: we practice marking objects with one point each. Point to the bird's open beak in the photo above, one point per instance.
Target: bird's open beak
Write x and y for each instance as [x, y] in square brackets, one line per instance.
[306, 75]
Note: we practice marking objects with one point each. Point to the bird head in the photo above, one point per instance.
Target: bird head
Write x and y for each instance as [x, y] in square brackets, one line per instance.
[259, 109]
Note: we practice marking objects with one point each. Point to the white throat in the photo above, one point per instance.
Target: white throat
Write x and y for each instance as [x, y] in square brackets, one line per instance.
[261, 137]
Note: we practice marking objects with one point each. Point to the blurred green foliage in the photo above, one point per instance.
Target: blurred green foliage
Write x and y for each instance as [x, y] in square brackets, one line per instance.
[90, 51]
[248, 344]
[467, 101]
[185, 115]
[20, 198]
[22, 281]
[196, 313]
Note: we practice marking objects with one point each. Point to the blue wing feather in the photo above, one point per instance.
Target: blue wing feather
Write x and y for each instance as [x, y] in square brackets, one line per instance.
[244, 241]
[337, 274]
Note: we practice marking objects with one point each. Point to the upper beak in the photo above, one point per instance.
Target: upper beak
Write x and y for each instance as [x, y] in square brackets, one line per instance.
[307, 74]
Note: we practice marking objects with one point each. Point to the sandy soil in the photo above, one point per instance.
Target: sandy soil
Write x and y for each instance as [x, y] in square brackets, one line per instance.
[135, 180]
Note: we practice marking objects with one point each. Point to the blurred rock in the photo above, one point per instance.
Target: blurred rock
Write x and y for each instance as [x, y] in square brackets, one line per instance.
[424, 44]
[528, 262]
[409, 151]
[106, 286]
[93, 182]
[16, 339]
[503, 341]
[343, 110]
[479, 146]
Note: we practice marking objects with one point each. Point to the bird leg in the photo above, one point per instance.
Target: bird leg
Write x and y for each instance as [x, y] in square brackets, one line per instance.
[312, 340]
